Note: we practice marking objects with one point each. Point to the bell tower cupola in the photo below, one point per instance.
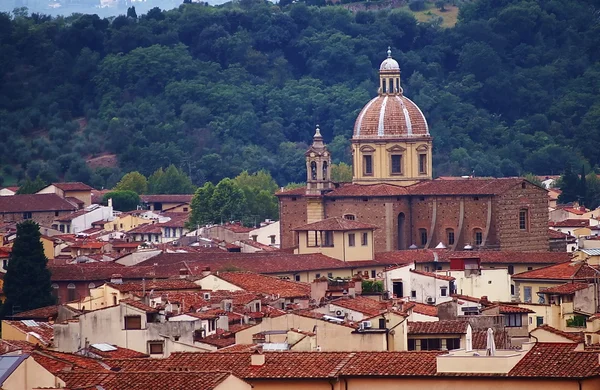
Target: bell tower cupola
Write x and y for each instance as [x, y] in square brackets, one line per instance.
[318, 166]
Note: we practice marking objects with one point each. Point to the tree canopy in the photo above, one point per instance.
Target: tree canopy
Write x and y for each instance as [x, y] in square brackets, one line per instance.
[514, 87]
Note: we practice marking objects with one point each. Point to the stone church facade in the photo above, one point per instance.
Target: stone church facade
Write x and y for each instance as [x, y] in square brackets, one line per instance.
[393, 189]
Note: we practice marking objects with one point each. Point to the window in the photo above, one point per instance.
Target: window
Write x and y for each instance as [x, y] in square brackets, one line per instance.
[313, 170]
[349, 217]
[431, 344]
[450, 236]
[412, 345]
[477, 237]
[524, 219]
[513, 320]
[365, 239]
[453, 344]
[185, 209]
[70, 292]
[396, 164]
[529, 268]
[373, 273]
[511, 269]
[297, 278]
[423, 236]
[351, 239]
[55, 290]
[133, 322]
[368, 165]
[330, 274]
[328, 238]
[422, 164]
[121, 225]
[155, 347]
[512, 289]
[539, 321]
[272, 238]
[5, 263]
[413, 293]
[91, 285]
[382, 323]
[56, 213]
[27, 215]
[527, 294]
[443, 291]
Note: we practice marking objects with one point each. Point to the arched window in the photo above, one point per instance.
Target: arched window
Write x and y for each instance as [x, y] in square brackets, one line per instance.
[477, 236]
[54, 290]
[423, 236]
[313, 170]
[325, 167]
[71, 292]
[350, 217]
[91, 285]
[450, 236]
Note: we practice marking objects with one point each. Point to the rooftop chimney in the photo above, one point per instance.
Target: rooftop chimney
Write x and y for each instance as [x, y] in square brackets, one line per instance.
[257, 358]
[206, 271]
[183, 273]
[116, 278]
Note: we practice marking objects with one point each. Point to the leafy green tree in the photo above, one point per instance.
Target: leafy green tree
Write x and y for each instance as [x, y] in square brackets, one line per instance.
[533, 179]
[592, 197]
[170, 181]
[228, 201]
[202, 212]
[341, 173]
[31, 187]
[259, 189]
[122, 200]
[27, 283]
[131, 13]
[133, 181]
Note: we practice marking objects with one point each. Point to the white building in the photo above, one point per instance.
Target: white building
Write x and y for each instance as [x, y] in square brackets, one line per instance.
[266, 234]
[418, 286]
[81, 220]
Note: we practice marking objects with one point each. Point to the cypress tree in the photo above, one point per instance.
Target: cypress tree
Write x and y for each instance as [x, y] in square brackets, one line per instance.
[27, 283]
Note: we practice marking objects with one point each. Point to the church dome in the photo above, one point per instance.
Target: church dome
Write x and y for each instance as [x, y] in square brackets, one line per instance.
[390, 116]
[389, 64]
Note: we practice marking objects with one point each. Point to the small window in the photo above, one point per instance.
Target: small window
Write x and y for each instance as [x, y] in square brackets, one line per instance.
[524, 219]
[431, 344]
[511, 269]
[365, 239]
[56, 213]
[413, 293]
[423, 236]
[27, 215]
[185, 209]
[450, 236]
[272, 238]
[351, 239]
[330, 274]
[373, 273]
[368, 165]
[317, 276]
[155, 347]
[297, 278]
[396, 164]
[121, 225]
[529, 268]
[443, 291]
[382, 324]
[412, 345]
[513, 320]
[54, 289]
[133, 322]
[478, 236]
[294, 198]
[512, 289]
[349, 217]
[423, 164]
[328, 238]
[452, 344]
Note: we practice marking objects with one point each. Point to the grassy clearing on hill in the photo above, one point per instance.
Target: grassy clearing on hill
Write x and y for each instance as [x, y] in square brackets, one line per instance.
[449, 16]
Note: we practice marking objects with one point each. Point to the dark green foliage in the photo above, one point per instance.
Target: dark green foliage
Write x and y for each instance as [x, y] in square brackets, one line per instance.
[27, 282]
[214, 91]
[170, 181]
[122, 200]
[31, 187]
[569, 185]
[372, 286]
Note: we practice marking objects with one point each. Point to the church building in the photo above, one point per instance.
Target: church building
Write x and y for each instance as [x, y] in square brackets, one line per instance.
[393, 191]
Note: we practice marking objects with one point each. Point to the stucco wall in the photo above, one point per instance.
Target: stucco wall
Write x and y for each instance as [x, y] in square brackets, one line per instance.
[29, 375]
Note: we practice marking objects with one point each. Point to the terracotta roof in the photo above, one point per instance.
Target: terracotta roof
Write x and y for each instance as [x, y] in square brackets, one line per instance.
[237, 228]
[89, 244]
[238, 297]
[33, 203]
[433, 275]
[258, 283]
[556, 235]
[139, 305]
[362, 190]
[124, 244]
[191, 301]
[509, 309]
[177, 220]
[501, 339]
[567, 288]
[570, 270]
[437, 327]
[336, 224]
[390, 116]
[56, 362]
[40, 313]
[8, 346]
[156, 380]
[421, 308]
[422, 363]
[98, 271]
[117, 353]
[571, 223]
[38, 331]
[487, 257]
[98, 196]
[293, 192]
[367, 306]
[154, 228]
[184, 198]
[557, 360]
[156, 285]
[471, 186]
[576, 337]
[73, 186]
[466, 298]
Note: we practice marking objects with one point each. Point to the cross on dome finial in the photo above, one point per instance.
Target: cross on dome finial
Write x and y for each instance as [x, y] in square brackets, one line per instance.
[389, 52]
[318, 132]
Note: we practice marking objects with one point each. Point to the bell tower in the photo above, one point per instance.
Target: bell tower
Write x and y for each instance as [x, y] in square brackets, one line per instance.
[318, 166]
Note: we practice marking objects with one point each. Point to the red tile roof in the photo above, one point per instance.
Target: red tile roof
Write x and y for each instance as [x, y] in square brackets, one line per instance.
[190, 301]
[56, 362]
[570, 270]
[154, 228]
[471, 186]
[40, 313]
[433, 275]
[421, 308]
[557, 360]
[98, 271]
[567, 288]
[42, 332]
[367, 306]
[258, 283]
[437, 327]
[509, 309]
[118, 353]
[576, 337]
[293, 192]
[34, 203]
[556, 235]
[360, 190]
[501, 339]
[571, 223]
[184, 198]
[8, 346]
[487, 257]
[237, 228]
[73, 186]
[138, 305]
[336, 224]
[422, 363]
[156, 285]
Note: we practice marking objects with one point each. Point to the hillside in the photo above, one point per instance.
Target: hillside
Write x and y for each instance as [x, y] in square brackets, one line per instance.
[512, 88]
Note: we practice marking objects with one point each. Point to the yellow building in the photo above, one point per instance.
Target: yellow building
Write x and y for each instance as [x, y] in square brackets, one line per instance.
[125, 222]
[339, 238]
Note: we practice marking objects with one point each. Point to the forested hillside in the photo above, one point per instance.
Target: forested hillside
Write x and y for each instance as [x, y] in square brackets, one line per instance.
[513, 88]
